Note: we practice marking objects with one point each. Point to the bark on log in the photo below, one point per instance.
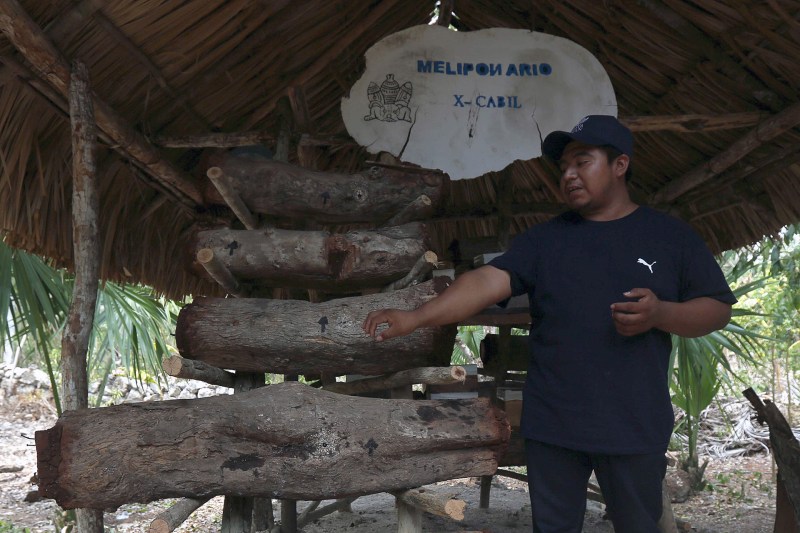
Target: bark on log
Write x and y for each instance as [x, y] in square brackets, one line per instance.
[177, 366]
[427, 376]
[338, 262]
[176, 515]
[298, 337]
[279, 189]
[282, 441]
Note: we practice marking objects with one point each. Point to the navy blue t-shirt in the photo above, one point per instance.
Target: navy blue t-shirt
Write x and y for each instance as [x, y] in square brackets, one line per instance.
[588, 387]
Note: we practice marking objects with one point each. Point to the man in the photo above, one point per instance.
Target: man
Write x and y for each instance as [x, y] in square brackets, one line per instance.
[607, 282]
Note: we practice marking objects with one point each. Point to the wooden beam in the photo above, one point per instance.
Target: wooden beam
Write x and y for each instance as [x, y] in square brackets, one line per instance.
[421, 268]
[763, 133]
[178, 367]
[232, 198]
[693, 123]
[219, 272]
[87, 250]
[169, 520]
[215, 140]
[433, 503]
[34, 45]
[423, 375]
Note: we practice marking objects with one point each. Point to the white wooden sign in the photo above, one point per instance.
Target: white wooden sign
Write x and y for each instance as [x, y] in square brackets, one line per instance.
[472, 102]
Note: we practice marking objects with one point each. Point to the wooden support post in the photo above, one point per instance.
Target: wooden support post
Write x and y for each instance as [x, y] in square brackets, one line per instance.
[86, 247]
[424, 265]
[409, 518]
[231, 197]
[177, 366]
[404, 378]
[263, 514]
[237, 511]
[176, 515]
[219, 272]
[288, 516]
[416, 210]
[486, 491]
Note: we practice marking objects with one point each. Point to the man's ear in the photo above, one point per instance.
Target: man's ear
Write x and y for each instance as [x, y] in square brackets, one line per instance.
[621, 164]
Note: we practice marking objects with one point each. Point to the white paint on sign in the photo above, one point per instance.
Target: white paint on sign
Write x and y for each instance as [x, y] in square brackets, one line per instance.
[472, 102]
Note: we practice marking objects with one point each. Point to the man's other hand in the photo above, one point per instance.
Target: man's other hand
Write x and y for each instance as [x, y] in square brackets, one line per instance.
[638, 316]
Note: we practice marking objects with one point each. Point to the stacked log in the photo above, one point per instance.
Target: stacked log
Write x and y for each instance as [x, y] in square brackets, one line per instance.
[338, 262]
[280, 441]
[295, 337]
[277, 189]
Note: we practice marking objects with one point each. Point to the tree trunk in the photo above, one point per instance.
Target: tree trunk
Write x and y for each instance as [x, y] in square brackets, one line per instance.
[339, 262]
[279, 189]
[280, 441]
[87, 251]
[298, 337]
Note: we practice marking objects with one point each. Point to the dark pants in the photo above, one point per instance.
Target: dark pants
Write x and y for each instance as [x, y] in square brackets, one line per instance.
[557, 478]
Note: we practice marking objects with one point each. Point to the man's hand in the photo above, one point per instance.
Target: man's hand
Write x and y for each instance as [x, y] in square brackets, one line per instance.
[400, 323]
[633, 318]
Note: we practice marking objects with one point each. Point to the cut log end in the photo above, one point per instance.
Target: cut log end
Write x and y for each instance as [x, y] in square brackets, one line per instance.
[159, 525]
[214, 173]
[458, 373]
[205, 256]
[455, 509]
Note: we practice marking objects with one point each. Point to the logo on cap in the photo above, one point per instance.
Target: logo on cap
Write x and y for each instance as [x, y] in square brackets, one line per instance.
[579, 126]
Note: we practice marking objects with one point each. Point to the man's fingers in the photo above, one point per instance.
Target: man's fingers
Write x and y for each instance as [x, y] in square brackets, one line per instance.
[626, 307]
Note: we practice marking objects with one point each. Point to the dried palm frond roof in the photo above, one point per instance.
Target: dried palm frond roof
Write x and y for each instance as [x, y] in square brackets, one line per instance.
[709, 88]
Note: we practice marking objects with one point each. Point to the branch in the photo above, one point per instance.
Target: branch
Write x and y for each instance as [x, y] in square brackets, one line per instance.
[424, 375]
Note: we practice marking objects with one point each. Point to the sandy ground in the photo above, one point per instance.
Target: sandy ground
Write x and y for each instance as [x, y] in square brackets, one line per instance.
[742, 498]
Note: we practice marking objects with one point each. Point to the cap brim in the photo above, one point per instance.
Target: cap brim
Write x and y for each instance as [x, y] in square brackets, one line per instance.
[555, 143]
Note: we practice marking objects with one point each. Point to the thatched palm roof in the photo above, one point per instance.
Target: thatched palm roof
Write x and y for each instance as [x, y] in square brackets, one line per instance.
[709, 87]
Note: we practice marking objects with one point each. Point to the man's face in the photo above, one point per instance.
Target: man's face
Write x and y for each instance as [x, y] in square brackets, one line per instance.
[589, 184]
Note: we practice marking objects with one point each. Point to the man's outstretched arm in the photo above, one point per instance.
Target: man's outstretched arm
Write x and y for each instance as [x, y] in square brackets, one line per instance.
[471, 292]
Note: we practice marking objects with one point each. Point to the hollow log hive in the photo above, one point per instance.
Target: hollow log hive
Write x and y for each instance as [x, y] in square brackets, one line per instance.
[289, 441]
[281, 441]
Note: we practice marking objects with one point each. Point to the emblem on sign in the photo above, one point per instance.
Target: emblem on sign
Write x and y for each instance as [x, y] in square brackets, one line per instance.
[389, 101]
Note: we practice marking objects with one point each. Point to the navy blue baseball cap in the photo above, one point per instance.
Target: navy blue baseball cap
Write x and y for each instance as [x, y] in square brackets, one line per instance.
[597, 130]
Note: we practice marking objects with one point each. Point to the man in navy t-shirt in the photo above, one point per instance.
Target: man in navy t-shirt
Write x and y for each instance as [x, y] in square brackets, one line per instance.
[608, 282]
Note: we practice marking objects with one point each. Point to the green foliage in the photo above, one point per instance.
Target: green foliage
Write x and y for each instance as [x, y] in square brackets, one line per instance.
[467, 348]
[8, 527]
[131, 324]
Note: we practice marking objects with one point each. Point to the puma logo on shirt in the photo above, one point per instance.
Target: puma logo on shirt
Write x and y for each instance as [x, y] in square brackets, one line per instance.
[648, 265]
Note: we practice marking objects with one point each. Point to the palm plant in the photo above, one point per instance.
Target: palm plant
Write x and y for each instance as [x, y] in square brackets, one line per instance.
[700, 366]
[130, 327]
